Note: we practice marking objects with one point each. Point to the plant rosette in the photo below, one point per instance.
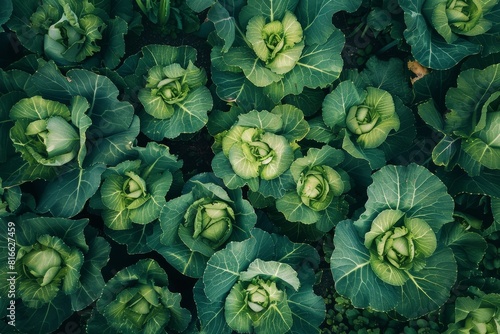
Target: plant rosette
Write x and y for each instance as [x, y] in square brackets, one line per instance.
[132, 195]
[320, 182]
[58, 269]
[138, 300]
[56, 135]
[453, 30]
[363, 119]
[279, 47]
[259, 148]
[72, 32]
[48, 133]
[470, 128]
[366, 114]
[170, 88]
[476, 309]
[395, 245]
[201, 221]
[257, 285]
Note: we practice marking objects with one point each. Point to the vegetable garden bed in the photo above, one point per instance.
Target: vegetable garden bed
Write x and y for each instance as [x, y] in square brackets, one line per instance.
[250, 166]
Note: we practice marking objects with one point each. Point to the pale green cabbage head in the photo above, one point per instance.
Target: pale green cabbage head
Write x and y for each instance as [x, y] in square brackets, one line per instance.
[373, 119]
[397, 244]
[454, 18]
[278, 43]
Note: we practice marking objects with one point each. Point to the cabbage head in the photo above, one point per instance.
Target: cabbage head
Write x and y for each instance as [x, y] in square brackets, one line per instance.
[58, 266]
[398, 244]
[49, 134]
[319, 185]
[257, 153]
[372, 120]
[205, 218]
[138, 300]
[259, 147]
[277, 43]
[452, 18]
[168, 87]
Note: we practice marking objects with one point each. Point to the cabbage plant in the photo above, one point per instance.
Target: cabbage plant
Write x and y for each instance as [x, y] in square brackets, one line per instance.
[138, 300]
[132, 195]
[57, 269]
[366, 113]
[72, 32]
[56, 134]
[320, 183]
[476, 309]
[263, 284]
[476, 312]
[443, 32]
[282, 47]
[259, 148]
[201, 221]
[172, 90]
[395, 245]
[470, 128]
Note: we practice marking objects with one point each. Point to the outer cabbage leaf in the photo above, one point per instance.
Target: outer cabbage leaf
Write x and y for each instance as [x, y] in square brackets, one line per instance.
[5, 12]
[236, 89]
[468, 247]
